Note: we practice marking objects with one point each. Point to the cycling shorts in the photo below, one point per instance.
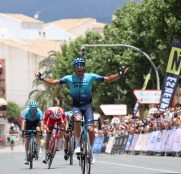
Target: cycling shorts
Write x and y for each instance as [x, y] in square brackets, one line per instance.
[85, 111]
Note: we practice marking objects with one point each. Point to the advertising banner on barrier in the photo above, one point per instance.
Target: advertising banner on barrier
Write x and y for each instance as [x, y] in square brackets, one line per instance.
[110, 145]
[105, 142]
[129, 141]
[117, 145]
[145, 141]
[135, 137]
[159, 141]
[171, 76]
[138, 143]
[98, 143]
[151, 143]
[169, 140]
[176, 146]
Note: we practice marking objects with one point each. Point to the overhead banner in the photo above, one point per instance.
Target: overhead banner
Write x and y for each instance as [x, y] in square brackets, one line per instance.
[171, 76]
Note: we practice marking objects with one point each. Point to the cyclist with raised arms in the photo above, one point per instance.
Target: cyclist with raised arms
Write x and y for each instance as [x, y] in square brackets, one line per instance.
[32, 120]
[53, 115]
[80, 84]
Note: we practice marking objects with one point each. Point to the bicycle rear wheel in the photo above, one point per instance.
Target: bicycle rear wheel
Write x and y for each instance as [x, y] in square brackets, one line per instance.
[82, 163]
[71, 147]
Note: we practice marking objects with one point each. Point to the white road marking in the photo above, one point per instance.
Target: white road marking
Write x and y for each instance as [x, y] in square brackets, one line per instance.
[139, 167]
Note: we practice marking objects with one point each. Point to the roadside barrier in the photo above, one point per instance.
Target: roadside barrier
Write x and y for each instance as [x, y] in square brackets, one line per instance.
[165, 141]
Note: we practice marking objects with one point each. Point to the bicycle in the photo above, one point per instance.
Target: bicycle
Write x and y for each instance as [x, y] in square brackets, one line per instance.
[53, 146]
[71, 141]
[85, 147]
[32, 153]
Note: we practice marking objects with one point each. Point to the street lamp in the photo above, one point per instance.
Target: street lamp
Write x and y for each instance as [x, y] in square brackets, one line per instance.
[129, 46]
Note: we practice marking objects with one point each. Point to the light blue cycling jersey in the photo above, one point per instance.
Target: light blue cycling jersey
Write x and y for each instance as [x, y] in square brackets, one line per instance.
[81, 87]
[31, 118]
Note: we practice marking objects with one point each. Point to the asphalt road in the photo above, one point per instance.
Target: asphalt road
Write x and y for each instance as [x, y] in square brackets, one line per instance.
[13, 162]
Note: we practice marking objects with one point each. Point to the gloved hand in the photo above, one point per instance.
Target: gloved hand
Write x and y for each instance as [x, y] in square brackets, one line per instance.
[40, 76]
[123, 71]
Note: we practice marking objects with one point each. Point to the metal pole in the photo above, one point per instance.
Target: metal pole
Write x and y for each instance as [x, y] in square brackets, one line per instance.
[133, 47]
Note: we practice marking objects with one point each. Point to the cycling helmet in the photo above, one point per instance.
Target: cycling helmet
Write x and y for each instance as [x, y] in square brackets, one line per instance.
[33, 104]
[77, 62]
[56, 113]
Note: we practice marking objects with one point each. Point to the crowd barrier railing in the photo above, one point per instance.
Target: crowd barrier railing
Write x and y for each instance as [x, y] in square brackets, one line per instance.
[165, 141]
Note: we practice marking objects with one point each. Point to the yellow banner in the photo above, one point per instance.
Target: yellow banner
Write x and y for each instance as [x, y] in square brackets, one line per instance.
[174, 63]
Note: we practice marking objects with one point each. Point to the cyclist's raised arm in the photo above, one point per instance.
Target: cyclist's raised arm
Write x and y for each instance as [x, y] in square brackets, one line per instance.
[114, 77]
[111, 78]
[46, 80]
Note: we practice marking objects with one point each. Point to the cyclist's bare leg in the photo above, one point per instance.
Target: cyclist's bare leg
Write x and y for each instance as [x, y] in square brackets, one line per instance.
[37, 138]
[77, 130]
[61, 135]
[47, 140]
[91, 134]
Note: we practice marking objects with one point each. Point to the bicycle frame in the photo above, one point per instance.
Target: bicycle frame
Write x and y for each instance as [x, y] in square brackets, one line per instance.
[86, 150]
[53, 146]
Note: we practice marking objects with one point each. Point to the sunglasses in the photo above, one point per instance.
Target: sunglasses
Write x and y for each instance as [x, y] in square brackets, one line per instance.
[77, 65]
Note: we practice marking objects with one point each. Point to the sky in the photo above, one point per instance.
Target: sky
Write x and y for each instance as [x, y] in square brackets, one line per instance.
[51, 10]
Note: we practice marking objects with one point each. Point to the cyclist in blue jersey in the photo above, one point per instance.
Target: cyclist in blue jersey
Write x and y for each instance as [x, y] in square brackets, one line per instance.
[80, 84]
[32, 120]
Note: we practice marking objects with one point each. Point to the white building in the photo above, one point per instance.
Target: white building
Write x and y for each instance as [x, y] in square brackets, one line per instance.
[78, 27]
[21, 62]
[53, 32]
[19, 27]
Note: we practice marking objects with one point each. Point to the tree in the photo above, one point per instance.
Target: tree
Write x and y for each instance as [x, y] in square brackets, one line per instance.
[13, 112]
[150, 25]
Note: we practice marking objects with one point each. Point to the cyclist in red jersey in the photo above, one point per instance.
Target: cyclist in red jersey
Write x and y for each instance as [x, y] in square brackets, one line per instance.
[52, 116]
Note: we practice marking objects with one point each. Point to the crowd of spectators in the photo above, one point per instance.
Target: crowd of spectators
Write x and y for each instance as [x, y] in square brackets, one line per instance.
[157, 120]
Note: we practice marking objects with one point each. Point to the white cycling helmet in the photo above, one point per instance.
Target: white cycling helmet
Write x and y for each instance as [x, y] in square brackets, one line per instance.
[56, 113]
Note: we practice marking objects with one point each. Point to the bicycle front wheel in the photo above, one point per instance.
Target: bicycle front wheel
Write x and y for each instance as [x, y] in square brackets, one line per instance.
[85, 160]
[52, 152]
[88, 152]
[31, 153]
